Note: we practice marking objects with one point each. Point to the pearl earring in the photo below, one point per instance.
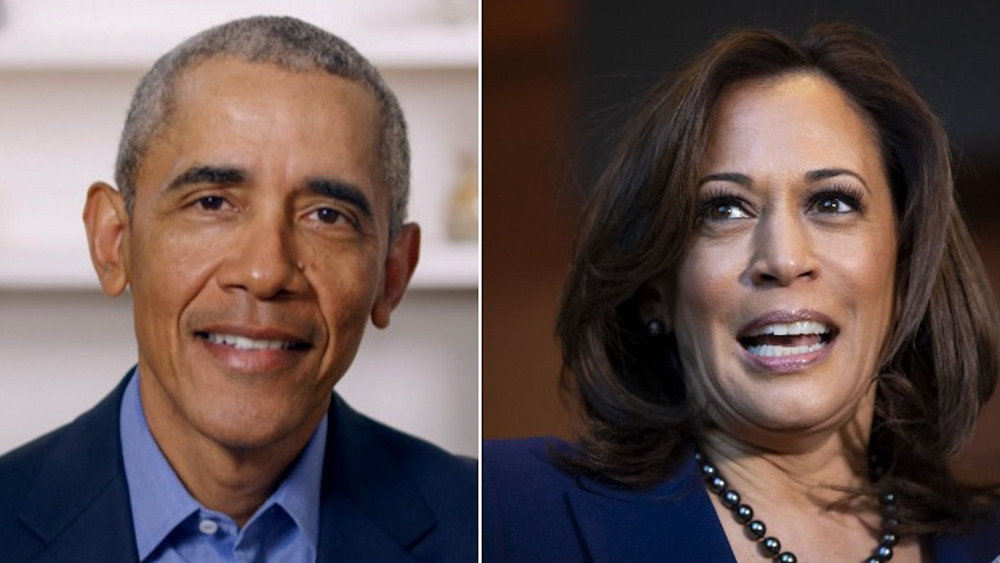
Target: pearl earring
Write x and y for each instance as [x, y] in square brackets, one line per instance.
[654, 327]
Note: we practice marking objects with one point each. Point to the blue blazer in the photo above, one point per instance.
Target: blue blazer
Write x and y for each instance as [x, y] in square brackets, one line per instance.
[535, 511]
[386, 496]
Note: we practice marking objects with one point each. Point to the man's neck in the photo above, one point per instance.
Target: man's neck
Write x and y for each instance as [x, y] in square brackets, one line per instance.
[232, 480]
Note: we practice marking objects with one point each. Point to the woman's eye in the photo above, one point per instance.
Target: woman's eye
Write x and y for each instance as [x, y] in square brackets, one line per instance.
[211, 203]
[835, 203]
[722, 210]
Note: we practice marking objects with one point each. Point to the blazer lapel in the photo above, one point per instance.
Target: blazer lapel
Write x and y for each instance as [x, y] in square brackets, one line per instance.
[78, 505]
[369, 511]
[674, 521]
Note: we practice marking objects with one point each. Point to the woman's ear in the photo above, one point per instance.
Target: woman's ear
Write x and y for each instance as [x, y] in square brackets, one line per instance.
[107, 223]
[653, 307]
[401, 260]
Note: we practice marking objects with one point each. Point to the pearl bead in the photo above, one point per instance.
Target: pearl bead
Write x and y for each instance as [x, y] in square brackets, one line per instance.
[717, 484]
[771, 546]
[730, 498]
[756, 529]
[743, 513]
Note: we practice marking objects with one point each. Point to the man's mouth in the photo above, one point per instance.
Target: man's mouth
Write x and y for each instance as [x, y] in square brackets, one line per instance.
[787, 339]
[253, 344]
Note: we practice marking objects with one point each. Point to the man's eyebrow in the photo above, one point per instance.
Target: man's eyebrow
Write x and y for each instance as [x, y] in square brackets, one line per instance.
[734, 177]
[826, 173]
[207, 174]
[336, 189]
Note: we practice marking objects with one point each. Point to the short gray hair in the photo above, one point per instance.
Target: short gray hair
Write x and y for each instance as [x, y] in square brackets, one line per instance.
[289, 43]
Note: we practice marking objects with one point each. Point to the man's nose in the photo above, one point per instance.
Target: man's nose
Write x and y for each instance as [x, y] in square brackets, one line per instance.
[264, 258]
[783, 250]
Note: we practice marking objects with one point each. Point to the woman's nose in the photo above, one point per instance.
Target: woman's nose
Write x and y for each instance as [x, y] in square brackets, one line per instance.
[784, 251]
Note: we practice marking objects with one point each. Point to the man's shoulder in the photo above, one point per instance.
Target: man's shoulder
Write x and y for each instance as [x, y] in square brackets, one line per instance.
[66, 485]
[414, 491]
[88, 435]
[424, 459]
[20, 467]
[446, 481]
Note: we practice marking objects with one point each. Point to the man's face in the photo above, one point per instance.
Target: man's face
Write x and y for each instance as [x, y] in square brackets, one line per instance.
[256, 251]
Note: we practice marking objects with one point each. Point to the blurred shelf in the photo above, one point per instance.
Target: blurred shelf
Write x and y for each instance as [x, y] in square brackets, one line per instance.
[428, 47]
[118, 34]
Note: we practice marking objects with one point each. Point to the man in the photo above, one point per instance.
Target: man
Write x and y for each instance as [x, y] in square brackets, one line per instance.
[263, 174]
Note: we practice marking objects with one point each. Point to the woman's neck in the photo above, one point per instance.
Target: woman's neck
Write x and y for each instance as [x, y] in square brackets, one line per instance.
[808, 498]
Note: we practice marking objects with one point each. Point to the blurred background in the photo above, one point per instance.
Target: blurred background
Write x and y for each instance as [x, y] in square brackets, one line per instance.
[67, 72]
[560, 76]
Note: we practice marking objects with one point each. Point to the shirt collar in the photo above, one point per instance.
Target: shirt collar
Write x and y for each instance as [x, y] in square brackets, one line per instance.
[160, 502]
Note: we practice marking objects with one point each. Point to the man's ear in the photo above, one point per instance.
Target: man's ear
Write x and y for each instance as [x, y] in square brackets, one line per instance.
[401, 260]
[106, 220]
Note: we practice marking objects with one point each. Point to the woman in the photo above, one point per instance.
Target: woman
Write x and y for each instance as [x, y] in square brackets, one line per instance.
[777, 328]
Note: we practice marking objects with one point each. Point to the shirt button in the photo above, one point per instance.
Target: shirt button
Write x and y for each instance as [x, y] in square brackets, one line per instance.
[208, 527]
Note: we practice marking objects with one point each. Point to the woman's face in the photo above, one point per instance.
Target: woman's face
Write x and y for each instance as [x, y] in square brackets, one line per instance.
[785, 296]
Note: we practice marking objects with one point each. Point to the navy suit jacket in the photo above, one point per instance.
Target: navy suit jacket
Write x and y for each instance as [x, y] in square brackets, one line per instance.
[386, 496]
[535, 511]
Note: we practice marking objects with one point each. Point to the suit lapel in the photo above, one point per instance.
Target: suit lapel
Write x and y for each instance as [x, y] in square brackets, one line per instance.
[78, 505]
[673, 521]
[370, 511]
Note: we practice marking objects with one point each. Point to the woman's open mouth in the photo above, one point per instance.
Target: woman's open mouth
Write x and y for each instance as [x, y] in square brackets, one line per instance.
[787, 339]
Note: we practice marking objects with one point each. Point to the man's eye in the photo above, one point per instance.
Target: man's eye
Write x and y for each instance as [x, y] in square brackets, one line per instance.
[211, 203]
[329, 215]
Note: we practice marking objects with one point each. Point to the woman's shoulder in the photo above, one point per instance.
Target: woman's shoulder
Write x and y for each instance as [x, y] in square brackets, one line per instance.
[524, 451]
[525, 513]
[982, 543]
[527, 464]
[536, 509]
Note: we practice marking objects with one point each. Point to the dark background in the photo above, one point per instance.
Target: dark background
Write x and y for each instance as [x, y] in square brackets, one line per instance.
[559, 77]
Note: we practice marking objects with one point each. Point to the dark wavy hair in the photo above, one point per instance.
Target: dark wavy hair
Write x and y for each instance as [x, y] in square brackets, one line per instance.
[940, 362]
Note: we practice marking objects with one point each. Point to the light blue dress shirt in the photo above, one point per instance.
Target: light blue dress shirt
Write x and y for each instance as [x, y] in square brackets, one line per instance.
[171, 526]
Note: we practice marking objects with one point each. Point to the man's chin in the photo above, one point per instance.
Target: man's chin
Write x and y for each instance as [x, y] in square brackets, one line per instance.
[252, 434]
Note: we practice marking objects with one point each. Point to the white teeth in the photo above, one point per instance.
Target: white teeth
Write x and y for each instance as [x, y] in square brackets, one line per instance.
[797, 328]
[768, 350]
[244, 343]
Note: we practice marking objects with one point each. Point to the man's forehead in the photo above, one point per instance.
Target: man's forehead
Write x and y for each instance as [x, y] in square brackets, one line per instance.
[315, 117]
[223, 93]
[208, 72]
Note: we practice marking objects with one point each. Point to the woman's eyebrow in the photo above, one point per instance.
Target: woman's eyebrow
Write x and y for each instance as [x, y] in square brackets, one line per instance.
[826, 173]
[734, 177]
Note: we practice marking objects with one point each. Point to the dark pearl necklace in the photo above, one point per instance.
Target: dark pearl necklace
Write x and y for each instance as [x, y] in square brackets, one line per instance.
[770, 546]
